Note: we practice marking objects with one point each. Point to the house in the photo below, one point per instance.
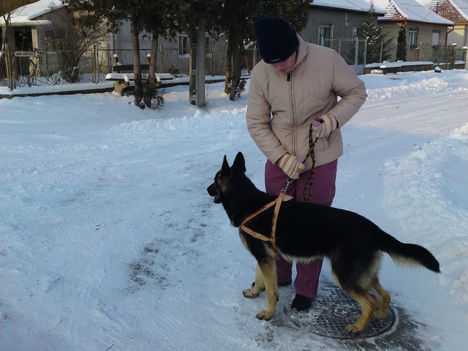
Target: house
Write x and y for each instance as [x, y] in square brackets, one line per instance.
[335, 23]
[28, 29]
[173, 53]
[455, 11]
[29, 22]
[332, 23]
[424, 28]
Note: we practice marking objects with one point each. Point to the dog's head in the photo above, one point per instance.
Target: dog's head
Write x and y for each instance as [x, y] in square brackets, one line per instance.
[225, 177]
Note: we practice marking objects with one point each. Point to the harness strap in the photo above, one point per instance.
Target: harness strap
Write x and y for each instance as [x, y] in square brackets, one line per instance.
[272, 239]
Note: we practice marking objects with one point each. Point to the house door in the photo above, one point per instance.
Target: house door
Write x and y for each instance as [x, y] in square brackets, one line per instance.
[23, 42]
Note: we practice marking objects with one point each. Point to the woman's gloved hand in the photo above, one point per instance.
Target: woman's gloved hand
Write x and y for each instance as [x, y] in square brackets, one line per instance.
[290, 165]
[322, 127]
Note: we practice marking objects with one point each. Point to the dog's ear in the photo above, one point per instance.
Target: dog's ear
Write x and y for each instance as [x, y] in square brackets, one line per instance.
[239, 162]
[225, 169]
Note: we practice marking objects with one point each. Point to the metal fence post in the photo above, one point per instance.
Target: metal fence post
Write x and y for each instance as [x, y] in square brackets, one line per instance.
[466, 57]
[381, 50]
[356, 52]
[452, 58]
[95, 65]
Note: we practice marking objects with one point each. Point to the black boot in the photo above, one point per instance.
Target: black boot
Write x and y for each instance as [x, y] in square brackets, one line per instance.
[301, 303]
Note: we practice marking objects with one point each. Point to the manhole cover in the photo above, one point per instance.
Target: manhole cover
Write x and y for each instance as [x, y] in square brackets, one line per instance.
[333, 310]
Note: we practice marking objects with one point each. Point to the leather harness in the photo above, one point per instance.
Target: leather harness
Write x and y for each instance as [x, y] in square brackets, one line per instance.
[277, 203]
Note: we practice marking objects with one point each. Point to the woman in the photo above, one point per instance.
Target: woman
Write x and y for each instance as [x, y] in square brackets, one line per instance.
[293, 98]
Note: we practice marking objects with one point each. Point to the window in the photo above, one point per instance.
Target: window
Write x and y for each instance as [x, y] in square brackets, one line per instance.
[183, 45]
[435, 37]
[325, 34]
[357, 32]
[413, 37]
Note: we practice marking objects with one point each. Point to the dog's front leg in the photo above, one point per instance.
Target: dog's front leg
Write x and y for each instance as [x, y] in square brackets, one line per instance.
[268, 270]
[258, 286]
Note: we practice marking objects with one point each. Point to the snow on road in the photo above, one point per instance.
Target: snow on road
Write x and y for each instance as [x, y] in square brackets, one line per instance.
[108, 239]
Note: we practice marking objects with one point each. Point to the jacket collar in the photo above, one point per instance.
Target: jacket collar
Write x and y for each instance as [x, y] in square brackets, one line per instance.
[302, 51]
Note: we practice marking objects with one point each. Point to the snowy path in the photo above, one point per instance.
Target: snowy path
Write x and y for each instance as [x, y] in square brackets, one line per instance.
[108, 239]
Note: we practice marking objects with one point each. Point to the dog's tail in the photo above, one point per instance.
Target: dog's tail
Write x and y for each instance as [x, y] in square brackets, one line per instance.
[411, 254]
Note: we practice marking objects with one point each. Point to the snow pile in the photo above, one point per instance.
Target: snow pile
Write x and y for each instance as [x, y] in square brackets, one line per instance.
[419, 83]
[431, 181]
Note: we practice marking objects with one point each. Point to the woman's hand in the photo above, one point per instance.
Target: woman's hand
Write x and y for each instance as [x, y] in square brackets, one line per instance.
[322, 127]
[290, 165]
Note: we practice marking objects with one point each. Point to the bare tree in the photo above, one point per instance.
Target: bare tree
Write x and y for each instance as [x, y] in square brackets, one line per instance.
[70, 39]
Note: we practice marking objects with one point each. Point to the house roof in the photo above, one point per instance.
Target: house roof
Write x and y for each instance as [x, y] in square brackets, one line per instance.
[353, 5]
[409, 10]
[460, 5]
[27, 14]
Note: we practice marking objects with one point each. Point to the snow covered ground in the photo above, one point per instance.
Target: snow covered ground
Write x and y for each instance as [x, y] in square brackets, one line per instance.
[109, 241]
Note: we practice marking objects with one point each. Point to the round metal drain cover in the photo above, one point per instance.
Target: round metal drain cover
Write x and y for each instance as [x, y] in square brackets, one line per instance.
[333, 310]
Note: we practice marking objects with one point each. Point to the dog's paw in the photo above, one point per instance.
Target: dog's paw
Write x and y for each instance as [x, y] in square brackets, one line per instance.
[250, 293]
[353, 329]
[265, 315]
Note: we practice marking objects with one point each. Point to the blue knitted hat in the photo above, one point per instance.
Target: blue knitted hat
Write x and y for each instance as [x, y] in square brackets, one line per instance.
[276, 39]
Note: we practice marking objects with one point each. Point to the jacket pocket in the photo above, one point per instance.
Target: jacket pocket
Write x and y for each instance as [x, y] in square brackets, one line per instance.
[322, 144]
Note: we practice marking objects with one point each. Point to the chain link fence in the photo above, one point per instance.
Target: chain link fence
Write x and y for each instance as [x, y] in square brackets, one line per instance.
[42, 67]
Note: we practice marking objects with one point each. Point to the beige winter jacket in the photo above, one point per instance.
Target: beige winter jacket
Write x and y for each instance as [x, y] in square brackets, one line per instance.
[281, 106]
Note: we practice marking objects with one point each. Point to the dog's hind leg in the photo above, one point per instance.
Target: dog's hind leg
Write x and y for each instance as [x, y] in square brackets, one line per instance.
[365, 301]
[258, 286]
[367, 305]
[383, 299]
[268, 270]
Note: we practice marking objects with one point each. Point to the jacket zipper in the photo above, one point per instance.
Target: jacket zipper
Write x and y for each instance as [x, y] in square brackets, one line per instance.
[293, 111]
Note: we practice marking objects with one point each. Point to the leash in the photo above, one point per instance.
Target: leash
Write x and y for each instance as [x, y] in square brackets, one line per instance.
[281, 197]
[277, 203]
[308, 185]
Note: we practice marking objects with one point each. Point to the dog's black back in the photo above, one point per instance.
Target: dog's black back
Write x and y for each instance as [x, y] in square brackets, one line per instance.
[306, 230]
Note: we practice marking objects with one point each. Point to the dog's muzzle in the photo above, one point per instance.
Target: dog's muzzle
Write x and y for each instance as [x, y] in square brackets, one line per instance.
[213, 191]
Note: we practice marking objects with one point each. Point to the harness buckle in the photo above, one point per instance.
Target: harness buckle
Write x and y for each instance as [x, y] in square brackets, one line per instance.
[288, 182]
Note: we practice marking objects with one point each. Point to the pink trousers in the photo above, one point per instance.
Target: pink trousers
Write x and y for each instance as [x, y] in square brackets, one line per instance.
[323, 192]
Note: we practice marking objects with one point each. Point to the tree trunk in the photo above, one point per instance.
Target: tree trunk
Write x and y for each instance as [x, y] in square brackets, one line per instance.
[9, 54]
[136, 64]
[151, 84]
[201, 58]
[227, 82]
[236, 70]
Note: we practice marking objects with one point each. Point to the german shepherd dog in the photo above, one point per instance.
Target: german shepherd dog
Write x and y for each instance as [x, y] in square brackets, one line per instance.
[305, 231]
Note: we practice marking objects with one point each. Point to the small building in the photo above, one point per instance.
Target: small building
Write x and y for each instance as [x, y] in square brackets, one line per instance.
[336, 23]
[29, 23]
[28, 30]
[331, 20]
[455, 11]
[425, 30]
